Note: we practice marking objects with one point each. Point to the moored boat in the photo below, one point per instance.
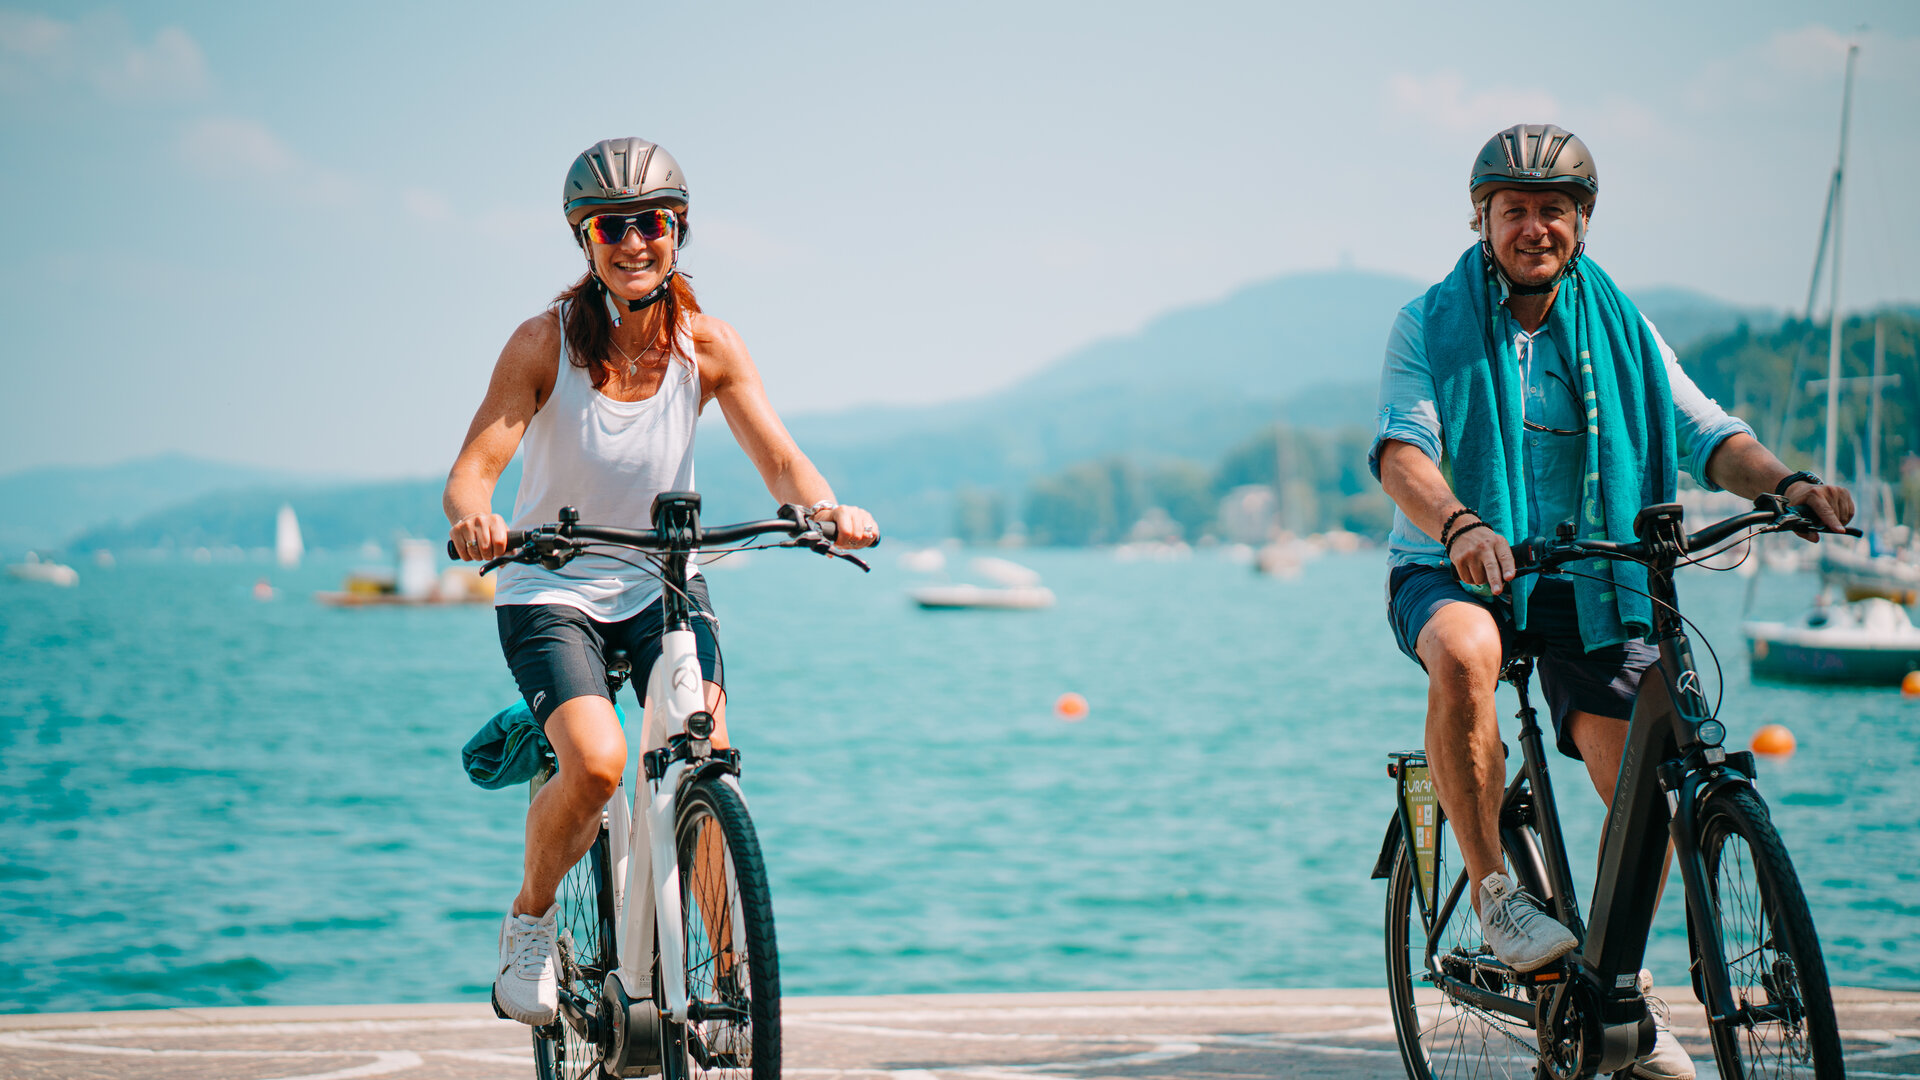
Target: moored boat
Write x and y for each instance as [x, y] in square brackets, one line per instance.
[44, 570]
[1010, 598]
[1872, 641]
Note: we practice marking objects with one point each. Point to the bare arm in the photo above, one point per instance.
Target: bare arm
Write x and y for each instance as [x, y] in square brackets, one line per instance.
[1743, 466]
[1414, 483]
[728, 375]
[522, 380]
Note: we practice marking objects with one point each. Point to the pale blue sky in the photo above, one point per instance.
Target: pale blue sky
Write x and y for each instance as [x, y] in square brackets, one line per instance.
[297, 236]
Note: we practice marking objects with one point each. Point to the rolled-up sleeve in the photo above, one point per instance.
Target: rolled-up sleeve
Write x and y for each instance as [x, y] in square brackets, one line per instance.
[1700, 425]
[1407, 410]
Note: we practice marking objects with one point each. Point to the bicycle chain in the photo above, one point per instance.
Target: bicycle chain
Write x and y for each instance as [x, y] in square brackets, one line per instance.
[1498, 1023]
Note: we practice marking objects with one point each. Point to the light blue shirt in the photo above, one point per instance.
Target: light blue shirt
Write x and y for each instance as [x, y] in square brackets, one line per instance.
[1553, 463]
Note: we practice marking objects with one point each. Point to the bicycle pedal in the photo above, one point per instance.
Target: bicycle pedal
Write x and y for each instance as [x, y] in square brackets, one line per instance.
[1544, 976]
[497, 1010]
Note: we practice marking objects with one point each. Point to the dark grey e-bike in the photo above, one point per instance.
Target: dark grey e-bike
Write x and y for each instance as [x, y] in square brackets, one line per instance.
[1756, 964]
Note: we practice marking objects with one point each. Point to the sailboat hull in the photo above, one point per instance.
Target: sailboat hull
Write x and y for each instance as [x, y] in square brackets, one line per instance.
[1808, 663]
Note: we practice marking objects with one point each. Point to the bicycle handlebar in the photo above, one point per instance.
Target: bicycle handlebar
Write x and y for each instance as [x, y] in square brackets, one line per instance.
[524, 545]
[1770, 514]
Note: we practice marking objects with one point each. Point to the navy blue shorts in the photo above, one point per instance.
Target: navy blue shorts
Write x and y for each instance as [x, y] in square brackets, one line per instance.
[1603, 682]
[558, 653]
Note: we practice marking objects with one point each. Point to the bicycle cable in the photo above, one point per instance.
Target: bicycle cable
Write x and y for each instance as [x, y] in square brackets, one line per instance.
[1719, 673]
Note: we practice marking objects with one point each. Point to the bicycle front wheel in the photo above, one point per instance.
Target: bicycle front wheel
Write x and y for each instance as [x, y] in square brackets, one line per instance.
[733, 965]
[1447, 1010]
[570, 1048]
[1783, 1023]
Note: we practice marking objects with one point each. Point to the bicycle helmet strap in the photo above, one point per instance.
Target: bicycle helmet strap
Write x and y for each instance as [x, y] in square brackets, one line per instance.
[658, 294]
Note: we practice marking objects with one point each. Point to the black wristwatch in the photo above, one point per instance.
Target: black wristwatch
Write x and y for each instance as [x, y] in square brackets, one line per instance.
[1791, 479]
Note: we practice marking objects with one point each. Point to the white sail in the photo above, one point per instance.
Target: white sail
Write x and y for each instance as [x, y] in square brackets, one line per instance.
[287, 547]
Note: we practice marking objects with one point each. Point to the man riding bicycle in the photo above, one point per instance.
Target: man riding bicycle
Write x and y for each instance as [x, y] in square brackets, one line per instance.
[1547, 397]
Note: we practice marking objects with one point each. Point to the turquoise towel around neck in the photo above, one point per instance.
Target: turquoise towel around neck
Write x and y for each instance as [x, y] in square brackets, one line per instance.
[1630, 460]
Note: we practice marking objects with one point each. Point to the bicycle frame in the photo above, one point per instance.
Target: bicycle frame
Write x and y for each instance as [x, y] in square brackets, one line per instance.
[646, 870]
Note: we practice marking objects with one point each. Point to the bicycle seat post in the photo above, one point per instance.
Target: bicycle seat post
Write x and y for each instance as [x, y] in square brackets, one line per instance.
[619, 667]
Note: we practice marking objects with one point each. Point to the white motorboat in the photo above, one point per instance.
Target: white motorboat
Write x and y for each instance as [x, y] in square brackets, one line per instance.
[1015, 588]
[44, 570]
[1006, 598]
[1872, 641]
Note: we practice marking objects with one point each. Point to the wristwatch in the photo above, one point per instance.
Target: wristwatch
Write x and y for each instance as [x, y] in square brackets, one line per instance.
[1791, 479]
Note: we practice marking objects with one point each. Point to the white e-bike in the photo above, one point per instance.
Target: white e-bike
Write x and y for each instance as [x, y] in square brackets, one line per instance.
[665, 947]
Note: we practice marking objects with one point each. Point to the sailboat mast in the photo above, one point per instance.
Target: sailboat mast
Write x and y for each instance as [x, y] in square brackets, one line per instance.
[1833, 314]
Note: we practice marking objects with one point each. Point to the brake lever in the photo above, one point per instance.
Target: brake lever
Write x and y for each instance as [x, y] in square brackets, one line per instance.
[813, 541]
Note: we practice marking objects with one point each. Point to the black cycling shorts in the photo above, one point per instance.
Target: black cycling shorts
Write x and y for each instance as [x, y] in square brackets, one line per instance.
[1603, 682]
[558, 652]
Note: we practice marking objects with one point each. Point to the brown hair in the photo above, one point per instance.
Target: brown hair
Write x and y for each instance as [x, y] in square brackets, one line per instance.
[589, 329]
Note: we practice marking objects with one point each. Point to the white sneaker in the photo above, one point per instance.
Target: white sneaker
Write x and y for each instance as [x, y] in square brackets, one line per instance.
[1668, 1060]
[1511, 922]
[527, 987]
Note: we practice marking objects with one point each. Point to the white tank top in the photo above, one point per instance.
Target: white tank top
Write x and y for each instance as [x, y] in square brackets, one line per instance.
[608, 459]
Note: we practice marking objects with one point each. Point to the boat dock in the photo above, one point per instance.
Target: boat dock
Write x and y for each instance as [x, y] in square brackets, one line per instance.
[1136, 1034]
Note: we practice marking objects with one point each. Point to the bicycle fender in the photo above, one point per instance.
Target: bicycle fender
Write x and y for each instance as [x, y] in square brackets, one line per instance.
[1383, 866]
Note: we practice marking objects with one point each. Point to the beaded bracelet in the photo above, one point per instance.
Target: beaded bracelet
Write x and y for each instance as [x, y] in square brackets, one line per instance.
[1453, 517]
[1464, 530]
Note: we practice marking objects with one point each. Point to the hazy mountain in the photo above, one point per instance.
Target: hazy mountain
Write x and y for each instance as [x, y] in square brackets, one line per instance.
[44, 508]
[331, 517]
[1302, 350]
[1685, 317]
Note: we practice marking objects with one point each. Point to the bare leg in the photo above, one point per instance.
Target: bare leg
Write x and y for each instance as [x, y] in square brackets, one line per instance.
[717, 705]
[1460, 646]
[565, 816]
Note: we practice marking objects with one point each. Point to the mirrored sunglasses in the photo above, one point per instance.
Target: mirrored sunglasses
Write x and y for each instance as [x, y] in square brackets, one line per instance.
[612, 228]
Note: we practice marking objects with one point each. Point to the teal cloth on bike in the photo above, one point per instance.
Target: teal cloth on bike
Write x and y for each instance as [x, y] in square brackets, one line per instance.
[1629, 455]
[508, 749]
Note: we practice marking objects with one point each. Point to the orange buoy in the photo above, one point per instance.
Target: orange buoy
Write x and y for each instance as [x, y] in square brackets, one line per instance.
[1910, 686]
[1070, 706]
[1774, 740]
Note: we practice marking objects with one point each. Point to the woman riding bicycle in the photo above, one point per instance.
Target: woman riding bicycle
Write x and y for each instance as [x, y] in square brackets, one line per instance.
[604, 389]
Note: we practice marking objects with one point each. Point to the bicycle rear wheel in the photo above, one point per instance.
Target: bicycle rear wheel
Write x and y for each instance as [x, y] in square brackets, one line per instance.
[733, 964]
[1443, 1034]
[1784, 1024]
[570, 1048]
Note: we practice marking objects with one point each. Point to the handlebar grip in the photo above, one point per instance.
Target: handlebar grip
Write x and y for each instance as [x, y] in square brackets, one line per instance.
[515, 538]
[1527, 553]
[829, 531]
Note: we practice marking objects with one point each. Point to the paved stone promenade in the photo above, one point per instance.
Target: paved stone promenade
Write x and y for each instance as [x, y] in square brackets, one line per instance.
[1193, 1035]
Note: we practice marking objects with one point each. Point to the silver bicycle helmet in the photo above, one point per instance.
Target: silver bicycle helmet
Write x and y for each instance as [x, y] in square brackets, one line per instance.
[624, 172]
[1536, 155]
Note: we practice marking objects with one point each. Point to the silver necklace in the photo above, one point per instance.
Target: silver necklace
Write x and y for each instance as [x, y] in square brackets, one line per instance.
[633, 362]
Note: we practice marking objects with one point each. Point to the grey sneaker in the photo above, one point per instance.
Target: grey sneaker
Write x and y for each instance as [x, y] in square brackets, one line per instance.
[1513, 926]
[527, 988]
[1668, 1060]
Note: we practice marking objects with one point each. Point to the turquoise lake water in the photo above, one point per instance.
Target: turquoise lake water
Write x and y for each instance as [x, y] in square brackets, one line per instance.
[210, 800]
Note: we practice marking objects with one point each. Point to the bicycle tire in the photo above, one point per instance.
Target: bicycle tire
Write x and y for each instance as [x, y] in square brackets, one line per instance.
[584, 953]
[1441, 1037]
[1773, 954]
[724, 896]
